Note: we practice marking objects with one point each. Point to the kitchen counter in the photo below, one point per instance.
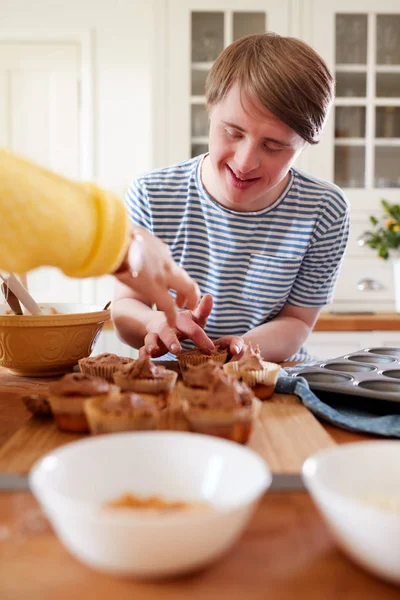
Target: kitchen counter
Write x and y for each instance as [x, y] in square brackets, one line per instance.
[286, 551]
[348, 321]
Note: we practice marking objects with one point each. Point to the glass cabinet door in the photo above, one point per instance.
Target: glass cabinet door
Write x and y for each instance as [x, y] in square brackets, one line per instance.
[198, 32]
[361, 42]
[211, 32]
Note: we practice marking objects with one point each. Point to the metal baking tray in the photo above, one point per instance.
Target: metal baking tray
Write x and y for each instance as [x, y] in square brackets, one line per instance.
[370, 373]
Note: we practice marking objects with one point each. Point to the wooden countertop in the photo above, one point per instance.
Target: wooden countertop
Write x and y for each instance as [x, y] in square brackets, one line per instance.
[328, 321]
[286, 551]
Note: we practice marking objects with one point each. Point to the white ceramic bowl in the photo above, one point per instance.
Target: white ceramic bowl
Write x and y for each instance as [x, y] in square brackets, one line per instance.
[73, 482]
[340, 480]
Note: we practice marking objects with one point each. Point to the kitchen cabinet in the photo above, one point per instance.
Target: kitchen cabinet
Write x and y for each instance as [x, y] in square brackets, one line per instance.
[360, 148]
[323, 345]
[196, 33]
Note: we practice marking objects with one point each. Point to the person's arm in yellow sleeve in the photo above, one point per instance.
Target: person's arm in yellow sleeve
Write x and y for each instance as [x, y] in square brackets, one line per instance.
[49, 220]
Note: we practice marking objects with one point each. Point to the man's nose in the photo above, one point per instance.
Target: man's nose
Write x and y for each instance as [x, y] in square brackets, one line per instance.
[247, 158]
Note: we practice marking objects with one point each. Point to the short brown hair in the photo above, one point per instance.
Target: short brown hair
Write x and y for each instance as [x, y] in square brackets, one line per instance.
[286, 75]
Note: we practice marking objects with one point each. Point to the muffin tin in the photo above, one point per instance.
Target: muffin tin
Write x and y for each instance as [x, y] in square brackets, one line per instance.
[371, 373]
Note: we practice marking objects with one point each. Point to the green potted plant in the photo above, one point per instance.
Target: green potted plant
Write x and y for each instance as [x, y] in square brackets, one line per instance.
[385, 239]
[385, 236]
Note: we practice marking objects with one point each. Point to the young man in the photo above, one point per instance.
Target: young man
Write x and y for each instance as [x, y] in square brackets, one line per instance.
[263, 240]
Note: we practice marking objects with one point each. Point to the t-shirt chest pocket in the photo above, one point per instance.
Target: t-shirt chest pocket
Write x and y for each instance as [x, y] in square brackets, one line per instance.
[269, 279]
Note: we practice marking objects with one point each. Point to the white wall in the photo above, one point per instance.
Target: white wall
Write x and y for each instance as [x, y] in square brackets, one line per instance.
[124, 46]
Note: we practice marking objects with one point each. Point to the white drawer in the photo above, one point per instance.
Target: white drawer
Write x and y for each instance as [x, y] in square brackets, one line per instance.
[358, 226]
[324, 345]
[365, 280]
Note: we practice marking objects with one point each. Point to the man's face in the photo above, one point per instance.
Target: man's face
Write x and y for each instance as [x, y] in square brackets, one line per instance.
[250, 153]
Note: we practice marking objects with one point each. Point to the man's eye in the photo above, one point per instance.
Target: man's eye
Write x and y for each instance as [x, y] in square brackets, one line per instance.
[272, 150]
[235, 135]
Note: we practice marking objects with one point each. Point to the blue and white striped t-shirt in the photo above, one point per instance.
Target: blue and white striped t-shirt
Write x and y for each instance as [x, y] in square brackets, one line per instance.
[252, 263]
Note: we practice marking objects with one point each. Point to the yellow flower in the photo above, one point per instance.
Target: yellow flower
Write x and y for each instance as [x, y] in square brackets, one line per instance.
[396, 228]
[390, 222]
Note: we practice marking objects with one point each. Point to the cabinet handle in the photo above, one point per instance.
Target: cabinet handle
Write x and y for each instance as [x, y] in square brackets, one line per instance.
[369, 285]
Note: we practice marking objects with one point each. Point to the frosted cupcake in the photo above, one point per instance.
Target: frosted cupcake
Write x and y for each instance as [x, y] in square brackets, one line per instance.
[196, 356]
[259, 374]
[125, 412]
[68, 395]
[38, 405]
[103, 365]
[216, 404]
[145, 376]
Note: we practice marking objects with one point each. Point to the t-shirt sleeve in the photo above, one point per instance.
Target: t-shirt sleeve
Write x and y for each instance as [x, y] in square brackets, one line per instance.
[138, 206]
[316, 279]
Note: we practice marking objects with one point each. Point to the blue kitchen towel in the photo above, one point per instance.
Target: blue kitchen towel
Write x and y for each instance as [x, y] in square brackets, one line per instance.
[349, 412]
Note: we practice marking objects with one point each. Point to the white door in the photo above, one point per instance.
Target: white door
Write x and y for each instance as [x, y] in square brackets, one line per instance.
[197, 31]
[39, 118]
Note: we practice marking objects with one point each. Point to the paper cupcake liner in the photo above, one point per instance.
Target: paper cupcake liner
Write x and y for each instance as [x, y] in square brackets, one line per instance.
[146, 386]
[187, 359]
[235, 425]
[266, 376]
[106, 371]
[100, 421]
[64, 406]
[172, 417]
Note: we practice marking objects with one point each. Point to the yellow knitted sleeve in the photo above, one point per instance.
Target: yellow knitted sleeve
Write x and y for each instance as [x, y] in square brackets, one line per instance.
[46, 219]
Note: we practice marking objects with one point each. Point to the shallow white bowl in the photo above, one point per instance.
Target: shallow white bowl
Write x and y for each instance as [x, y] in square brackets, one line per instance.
[339, 479]
[73, 482]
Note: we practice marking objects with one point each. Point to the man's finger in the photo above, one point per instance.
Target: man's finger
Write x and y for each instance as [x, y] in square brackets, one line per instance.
[170, 339]
[180, 300]
[203, 310]
[236, 345]
[166, 303]
[143, 352]
[150, 344]
[201, 339]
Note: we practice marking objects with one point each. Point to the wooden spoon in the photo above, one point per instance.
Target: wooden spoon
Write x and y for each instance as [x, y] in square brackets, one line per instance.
[11, 299]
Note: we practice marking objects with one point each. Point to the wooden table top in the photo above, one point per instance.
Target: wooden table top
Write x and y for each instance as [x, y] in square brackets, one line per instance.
[285, 553]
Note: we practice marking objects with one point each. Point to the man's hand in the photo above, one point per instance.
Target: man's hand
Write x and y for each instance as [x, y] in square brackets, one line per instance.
[161, 338]
[234, 344]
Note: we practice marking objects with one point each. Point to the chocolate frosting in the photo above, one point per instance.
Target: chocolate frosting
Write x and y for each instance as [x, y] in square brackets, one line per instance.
[203, 376]
[107, 358]
[78, 384]
[200, 352]
[129, 402]
[144, 368]
[230, 393]
[224, 391]
[251, 359]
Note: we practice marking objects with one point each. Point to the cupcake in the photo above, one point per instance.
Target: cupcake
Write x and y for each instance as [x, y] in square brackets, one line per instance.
[196, 356]
[216, 404]
[259, 374]
[38, 405]
[145, 376]
[103, 365]
[68, 395]
[124, 412]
